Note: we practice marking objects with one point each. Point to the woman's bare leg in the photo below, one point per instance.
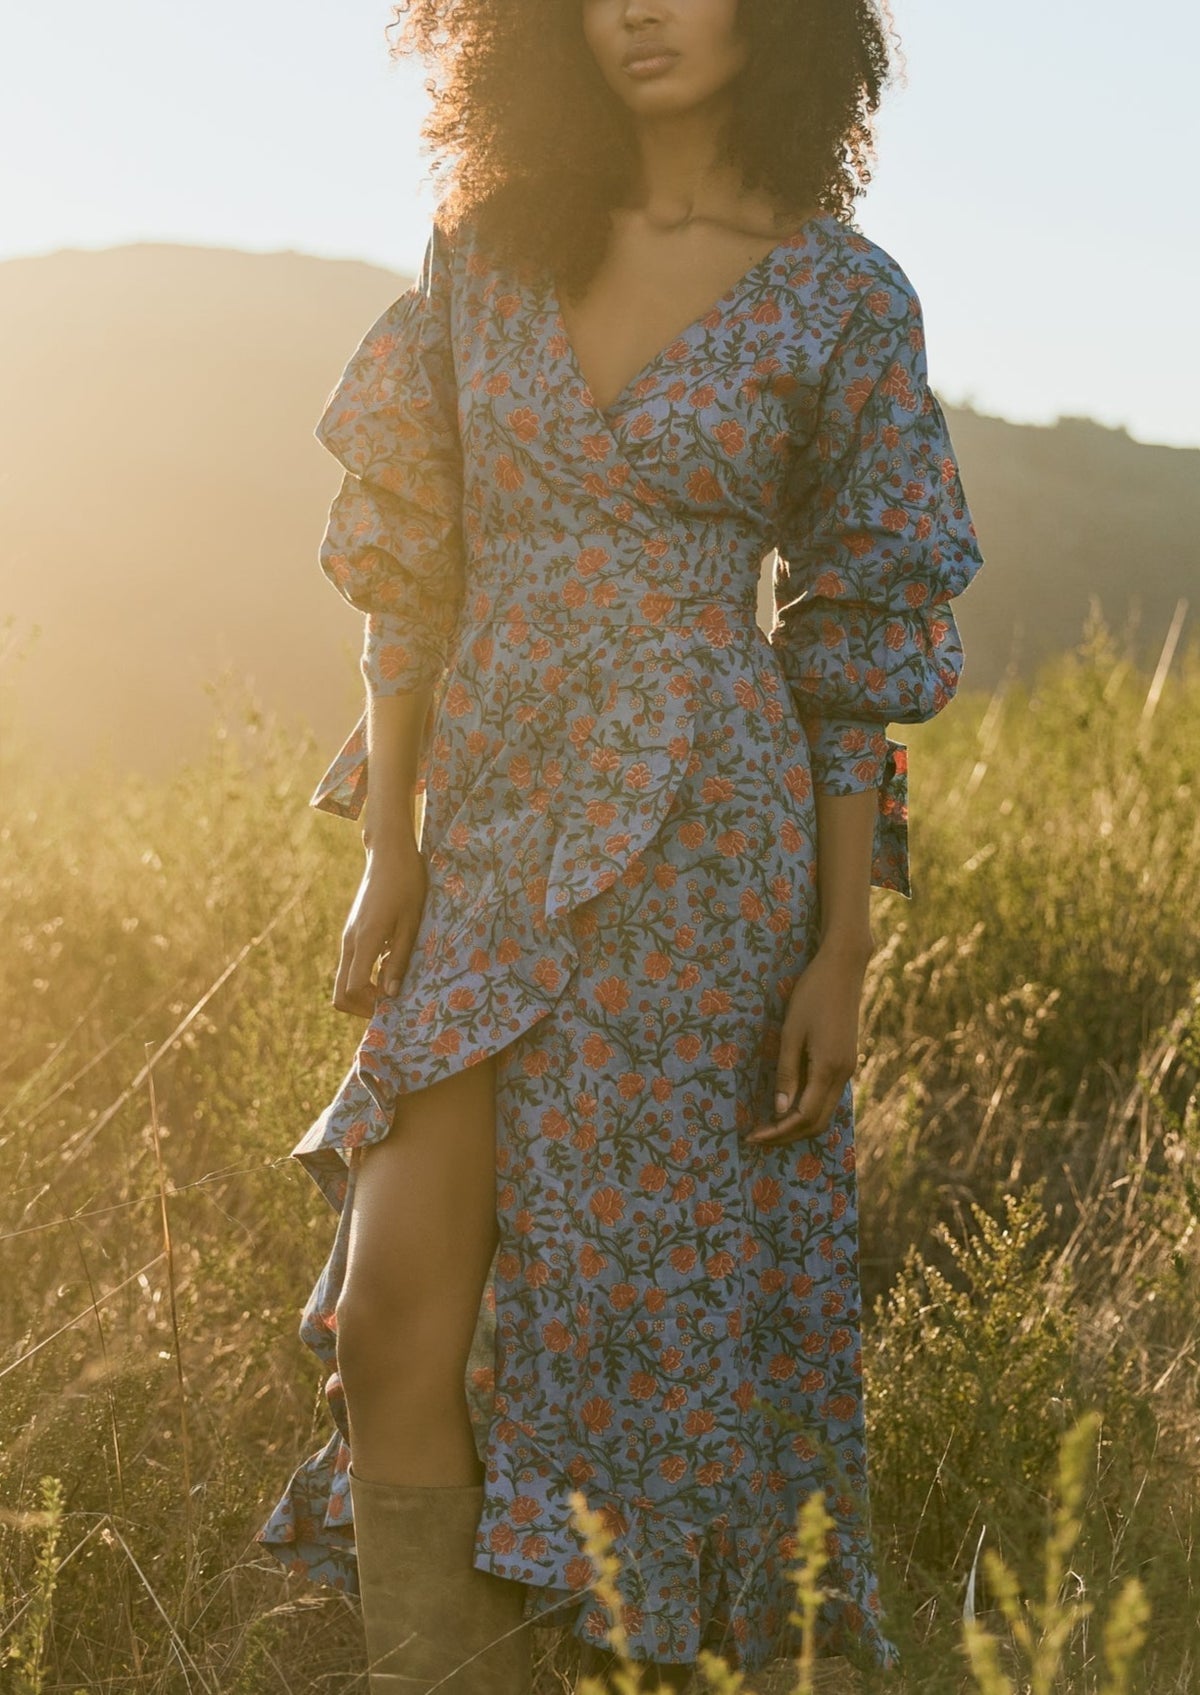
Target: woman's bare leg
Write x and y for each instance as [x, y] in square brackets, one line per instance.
[422, 1236]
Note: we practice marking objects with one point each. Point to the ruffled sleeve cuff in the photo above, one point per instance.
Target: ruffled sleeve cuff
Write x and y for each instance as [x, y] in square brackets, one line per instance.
[399, 656]
[847, 755]
[342, 788]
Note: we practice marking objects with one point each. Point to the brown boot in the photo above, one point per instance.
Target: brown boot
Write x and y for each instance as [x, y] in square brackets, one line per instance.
[430, 1616]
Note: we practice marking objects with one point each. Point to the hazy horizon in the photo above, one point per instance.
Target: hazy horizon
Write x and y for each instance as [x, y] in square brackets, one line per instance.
[1041, 234]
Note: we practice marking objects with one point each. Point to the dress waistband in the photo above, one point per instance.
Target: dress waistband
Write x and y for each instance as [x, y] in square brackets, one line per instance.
[680, 575]
[641, 608]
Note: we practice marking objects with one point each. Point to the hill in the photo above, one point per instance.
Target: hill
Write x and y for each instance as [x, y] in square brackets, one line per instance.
[162, 499]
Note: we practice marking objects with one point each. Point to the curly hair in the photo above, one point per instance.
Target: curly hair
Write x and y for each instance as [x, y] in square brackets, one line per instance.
[541, 149]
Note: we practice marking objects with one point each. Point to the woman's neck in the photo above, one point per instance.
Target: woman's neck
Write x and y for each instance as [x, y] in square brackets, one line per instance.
[679, 180]
[678, 177]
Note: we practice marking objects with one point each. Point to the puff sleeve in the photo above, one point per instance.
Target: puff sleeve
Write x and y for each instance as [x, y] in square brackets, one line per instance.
[876, 540]
[393, 543]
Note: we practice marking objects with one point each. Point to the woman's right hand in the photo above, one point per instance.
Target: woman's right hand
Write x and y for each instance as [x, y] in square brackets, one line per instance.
[383, 921]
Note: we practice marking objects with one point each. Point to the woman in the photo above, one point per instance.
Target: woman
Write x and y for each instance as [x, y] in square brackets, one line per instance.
[600, 1124]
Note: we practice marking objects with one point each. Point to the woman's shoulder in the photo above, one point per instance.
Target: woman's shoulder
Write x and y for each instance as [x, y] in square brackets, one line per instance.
[861, 266]
[455, 237]
[453, 261]
[470, 272]
[835, 284]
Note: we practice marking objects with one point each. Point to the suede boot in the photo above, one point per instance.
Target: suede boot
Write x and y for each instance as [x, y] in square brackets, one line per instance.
[430, 1616]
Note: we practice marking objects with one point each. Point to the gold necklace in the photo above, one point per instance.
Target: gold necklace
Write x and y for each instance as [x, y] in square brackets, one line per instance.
[664, 225]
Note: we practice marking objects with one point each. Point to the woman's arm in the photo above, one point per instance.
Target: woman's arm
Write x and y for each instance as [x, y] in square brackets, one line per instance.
[386, 913]
[393, 548]
[394, 727]
[818, 1044]
[875, 540]
[845, 835]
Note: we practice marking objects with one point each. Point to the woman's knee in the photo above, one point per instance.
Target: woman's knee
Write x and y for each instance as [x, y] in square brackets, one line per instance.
[421, 1238]
[379, 1314]
[385, 1333]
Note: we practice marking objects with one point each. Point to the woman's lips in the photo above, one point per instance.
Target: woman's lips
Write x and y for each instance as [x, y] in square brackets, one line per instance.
[652, 66]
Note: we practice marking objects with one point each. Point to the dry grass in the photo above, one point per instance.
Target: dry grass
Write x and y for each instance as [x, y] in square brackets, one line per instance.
[1029, 1145]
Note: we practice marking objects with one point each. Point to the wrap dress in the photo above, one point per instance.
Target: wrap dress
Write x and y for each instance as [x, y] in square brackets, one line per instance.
[618, 771]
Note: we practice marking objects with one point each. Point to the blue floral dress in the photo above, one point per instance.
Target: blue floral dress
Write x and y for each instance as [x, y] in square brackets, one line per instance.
[618, 769]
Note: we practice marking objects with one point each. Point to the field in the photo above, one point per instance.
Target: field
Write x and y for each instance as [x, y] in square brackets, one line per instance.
[1029, 1158]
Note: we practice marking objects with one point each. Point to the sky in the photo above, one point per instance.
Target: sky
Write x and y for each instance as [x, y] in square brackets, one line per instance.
[1035, 172]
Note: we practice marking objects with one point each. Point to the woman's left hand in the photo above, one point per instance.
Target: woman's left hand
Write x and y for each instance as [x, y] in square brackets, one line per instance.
[818, 1044]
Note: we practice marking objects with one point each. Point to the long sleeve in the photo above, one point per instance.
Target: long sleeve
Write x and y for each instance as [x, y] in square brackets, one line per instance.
[393, 543]
[876, 539]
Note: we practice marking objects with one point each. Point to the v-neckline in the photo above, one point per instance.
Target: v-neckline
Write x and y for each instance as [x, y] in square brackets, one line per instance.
[605, 413]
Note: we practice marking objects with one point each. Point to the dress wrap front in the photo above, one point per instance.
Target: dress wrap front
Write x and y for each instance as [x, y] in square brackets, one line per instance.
[619, 768]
